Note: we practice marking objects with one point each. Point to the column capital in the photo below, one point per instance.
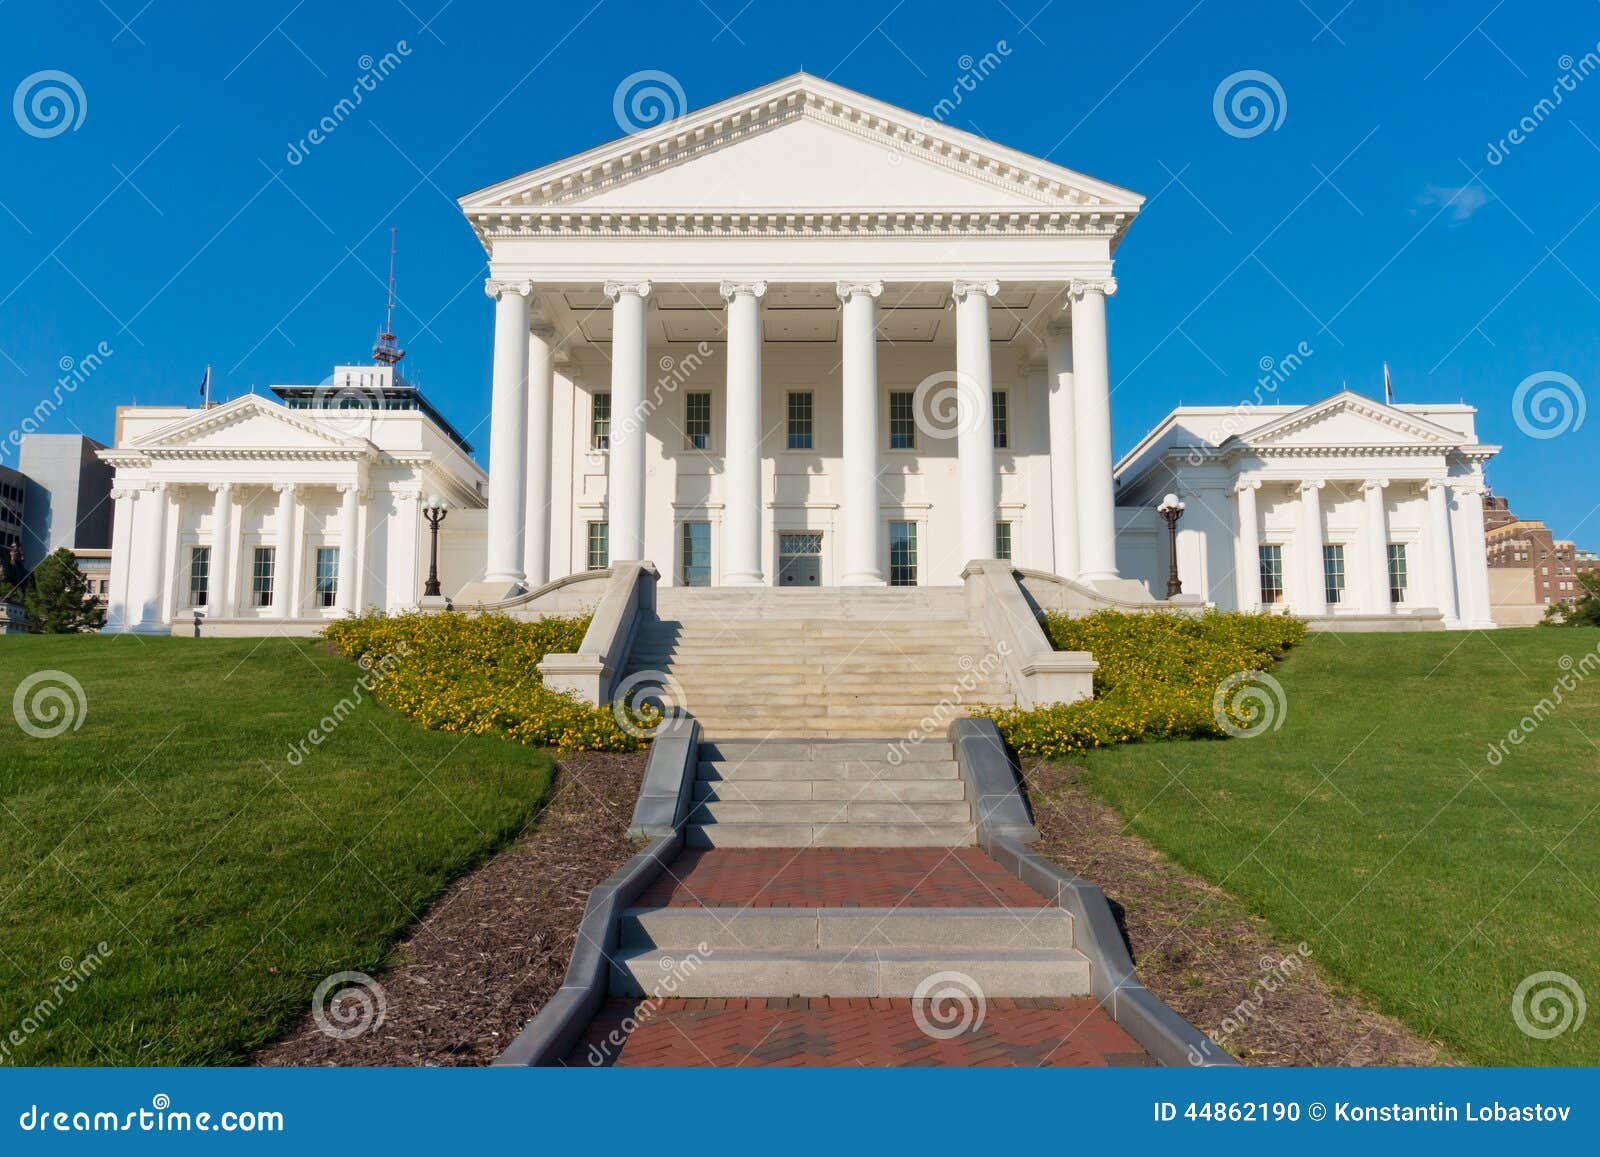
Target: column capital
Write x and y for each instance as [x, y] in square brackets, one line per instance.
[1309, 485]
[131, 493]
[223, 488]
[350, 487]
[1429, 485]
[285, 487]
[156, 489]
[498, 289]
[961, 288]
[1466, 487]
[615, 289]
[1243, 484]
[1078, 286]
[732, 289]
[1378, 484]
[848, 289]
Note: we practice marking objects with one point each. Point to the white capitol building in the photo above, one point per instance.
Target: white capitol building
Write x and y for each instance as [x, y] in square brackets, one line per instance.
[800, 338]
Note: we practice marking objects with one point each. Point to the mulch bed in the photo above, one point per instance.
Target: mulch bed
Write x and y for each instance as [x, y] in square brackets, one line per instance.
[495, 946]
[1198, 949]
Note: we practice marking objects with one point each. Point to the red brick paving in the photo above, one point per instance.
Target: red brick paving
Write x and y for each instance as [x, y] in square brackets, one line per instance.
[838, 878]
[875, 1031]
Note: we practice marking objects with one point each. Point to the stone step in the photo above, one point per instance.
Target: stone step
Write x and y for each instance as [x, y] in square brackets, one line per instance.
[834, 972]
[831, 812]
[996, 929]
[839, 835]
[749, 703]
[887, 748]
[804, 770]
[860, 791]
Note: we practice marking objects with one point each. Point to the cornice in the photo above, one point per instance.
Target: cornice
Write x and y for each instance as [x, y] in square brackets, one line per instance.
[508, 222]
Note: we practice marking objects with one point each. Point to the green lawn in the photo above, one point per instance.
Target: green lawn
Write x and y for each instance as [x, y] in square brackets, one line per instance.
[224, 879]
[1374, 826]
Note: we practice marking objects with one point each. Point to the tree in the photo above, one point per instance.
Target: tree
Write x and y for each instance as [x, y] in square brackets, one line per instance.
[13, 575]
[1585, 611]
[57, 600]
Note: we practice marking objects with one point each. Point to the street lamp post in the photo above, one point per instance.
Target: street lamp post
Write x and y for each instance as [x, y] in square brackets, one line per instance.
[434, 511]
[1171, 509]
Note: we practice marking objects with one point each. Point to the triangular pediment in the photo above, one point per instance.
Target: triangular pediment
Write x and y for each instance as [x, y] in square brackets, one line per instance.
[803, 147]
[1347, 419]
[247, 425]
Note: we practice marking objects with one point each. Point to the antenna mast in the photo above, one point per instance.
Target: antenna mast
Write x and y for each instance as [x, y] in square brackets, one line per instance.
[386, 350]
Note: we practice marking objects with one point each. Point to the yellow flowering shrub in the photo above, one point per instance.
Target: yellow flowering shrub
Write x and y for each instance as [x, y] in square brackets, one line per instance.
[1158, 678]
[478, 674]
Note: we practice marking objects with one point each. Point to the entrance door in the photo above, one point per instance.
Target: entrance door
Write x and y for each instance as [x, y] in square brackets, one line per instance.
[799, 560]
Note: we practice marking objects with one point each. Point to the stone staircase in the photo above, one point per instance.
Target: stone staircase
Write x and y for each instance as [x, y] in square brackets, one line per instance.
[830, 663]
[829, 793]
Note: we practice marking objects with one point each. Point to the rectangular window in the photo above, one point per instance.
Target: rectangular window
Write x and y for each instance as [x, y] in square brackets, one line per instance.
[902, 421]
[1333, 573]
[599, 545]
[199, 575]
[1397, 572]
[696, 554]
[327, 575]
[902, 554]
[800, 420]
[1002, 541]
[1002, 421]
[600, 422]
[1271, 573]
[697, 420]
[261, 576]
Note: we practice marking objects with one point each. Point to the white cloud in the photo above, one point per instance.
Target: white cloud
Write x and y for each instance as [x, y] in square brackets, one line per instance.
[1461, 201]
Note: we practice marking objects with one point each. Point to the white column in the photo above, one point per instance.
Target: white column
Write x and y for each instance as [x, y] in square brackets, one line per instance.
[350, 568]
[408, 560]
[119, 611]
[1444, 569]
[741, 470]
[1470, 553]
[151, 556]
[1097, 500]
[285, 563]
[1247, 567]
[863, 554]
[1063, 448]
[1308, 542]
[541, 391]
[219, 592]
[974, 425]
[508, 432]
[1375, 537]
[629, 357]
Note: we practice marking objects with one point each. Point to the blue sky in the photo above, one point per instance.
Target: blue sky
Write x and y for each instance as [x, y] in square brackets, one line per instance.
[1370, 223]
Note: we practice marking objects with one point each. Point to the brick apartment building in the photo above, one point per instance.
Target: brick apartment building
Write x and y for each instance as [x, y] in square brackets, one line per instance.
[1529, 568]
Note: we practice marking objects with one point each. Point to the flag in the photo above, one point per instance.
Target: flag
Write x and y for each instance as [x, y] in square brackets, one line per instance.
[1388, 387]
[205, 388]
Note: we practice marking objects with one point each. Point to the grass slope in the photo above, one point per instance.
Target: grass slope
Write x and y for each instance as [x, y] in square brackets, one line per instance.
[225, 880]
[1374, 827]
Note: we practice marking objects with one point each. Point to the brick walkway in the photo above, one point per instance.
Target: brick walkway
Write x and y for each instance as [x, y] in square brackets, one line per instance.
[823, 1031]
[838, 878]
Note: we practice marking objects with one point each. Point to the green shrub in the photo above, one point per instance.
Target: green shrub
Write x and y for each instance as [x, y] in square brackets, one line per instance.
[1158, 678]
[478, 674]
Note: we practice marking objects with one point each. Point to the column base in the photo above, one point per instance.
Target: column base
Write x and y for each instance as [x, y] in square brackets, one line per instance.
[743, 580]
[864, 579]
